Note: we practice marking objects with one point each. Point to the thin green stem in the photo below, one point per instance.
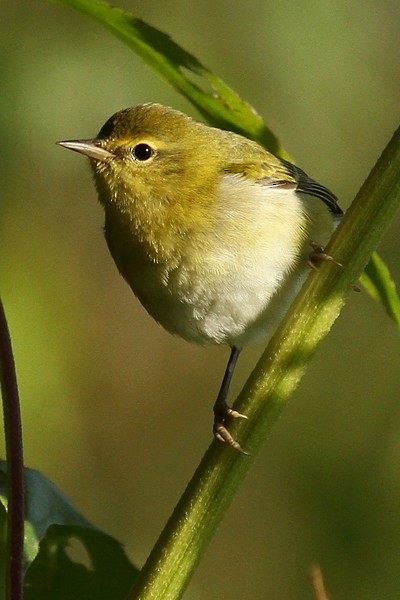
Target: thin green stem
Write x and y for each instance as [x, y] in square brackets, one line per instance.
[213, 486]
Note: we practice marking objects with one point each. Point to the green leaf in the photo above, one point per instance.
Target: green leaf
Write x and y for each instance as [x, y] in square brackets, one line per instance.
[45, 505]
[377, 281]
[95, 567]
[79, 563]
[215, 100]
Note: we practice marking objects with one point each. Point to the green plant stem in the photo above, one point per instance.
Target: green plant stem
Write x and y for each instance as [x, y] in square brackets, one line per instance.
[213, 486]
[15, 464]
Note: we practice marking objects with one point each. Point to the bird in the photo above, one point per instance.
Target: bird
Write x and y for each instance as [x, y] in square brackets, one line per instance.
[214, 234]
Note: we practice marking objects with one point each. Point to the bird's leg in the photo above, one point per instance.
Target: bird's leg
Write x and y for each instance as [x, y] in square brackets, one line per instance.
[221, 408]
[318, 254]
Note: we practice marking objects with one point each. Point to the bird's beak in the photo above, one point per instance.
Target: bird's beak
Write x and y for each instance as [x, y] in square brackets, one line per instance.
[91, 148]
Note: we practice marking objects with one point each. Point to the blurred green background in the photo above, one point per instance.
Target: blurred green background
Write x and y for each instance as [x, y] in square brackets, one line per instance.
[116, 411]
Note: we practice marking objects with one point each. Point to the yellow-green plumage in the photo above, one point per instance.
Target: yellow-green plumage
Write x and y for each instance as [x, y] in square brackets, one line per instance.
[211, 231]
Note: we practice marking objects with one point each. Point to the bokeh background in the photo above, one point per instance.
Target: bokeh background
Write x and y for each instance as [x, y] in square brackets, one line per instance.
[116, 411]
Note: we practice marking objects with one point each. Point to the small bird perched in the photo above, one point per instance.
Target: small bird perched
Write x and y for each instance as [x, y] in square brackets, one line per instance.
[210, 230]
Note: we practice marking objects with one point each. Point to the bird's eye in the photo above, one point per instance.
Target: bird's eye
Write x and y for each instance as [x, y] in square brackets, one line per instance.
[142, 152]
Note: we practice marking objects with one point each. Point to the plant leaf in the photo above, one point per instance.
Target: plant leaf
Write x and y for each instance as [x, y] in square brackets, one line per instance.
[99, 571]
[378, 283]
[45, 505]
[214, 99]
[52, 524]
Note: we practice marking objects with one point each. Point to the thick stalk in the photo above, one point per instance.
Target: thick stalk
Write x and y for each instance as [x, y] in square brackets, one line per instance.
[278, 372]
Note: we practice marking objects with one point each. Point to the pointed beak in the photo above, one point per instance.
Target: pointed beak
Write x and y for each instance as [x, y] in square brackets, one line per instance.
[90, 148]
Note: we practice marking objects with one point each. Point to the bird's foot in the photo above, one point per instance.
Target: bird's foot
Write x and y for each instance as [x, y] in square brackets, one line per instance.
[318, 254]
[220, 430]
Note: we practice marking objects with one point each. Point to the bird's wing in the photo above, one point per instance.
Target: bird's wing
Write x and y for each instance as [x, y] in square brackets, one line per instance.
[306, 185]
[271, 171]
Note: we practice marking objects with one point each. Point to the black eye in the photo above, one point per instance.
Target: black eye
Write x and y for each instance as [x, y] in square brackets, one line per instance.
[142, 152]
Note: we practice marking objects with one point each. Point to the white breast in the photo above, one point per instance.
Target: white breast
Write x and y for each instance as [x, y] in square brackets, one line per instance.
[235, 278]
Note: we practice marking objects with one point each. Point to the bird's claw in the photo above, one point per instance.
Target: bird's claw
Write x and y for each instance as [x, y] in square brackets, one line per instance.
[221, 432]
[318, 254]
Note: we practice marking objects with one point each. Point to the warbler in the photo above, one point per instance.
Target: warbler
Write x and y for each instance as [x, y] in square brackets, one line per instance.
[210, 230]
